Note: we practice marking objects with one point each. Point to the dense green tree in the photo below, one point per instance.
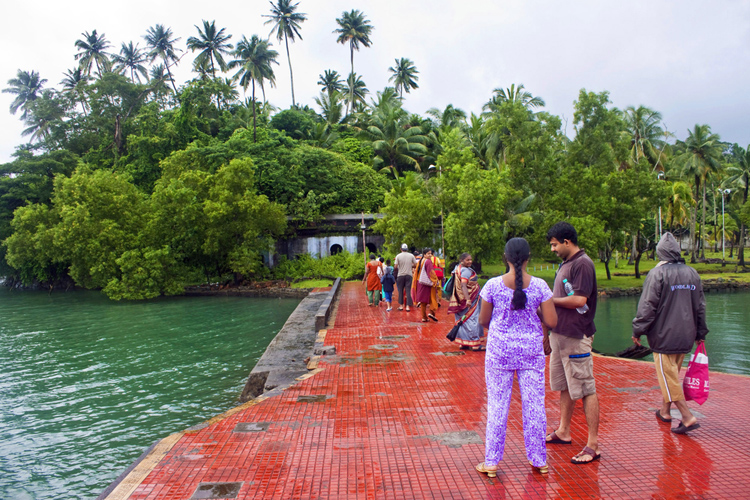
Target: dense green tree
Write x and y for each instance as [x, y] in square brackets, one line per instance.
[404, 76]
[286, 23]
[92, 49]
[354, 29]
[513, 94]
[212, 44]
[647, 137]
[161, 41]
[26, 86]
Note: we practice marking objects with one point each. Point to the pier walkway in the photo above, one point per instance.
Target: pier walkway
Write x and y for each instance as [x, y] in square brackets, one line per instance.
[398, 412]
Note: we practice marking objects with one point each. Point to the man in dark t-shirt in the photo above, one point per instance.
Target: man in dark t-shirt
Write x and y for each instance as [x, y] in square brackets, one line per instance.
[571, 367]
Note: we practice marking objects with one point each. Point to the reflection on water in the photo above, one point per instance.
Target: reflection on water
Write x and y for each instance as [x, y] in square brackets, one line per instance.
[727, 315]
[86, 384]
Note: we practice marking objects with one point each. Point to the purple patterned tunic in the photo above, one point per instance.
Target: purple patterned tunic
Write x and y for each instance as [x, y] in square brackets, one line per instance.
[514, 345]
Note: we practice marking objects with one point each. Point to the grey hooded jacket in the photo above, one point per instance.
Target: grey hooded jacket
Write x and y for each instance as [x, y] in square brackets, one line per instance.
[672, 308]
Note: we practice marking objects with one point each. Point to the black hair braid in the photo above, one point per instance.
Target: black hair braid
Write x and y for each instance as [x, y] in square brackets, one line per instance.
[519, 296]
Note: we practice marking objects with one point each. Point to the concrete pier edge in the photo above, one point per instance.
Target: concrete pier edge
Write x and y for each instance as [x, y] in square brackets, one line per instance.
[323, 302]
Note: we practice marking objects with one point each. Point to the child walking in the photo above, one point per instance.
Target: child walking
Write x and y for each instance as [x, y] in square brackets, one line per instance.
[388, 281]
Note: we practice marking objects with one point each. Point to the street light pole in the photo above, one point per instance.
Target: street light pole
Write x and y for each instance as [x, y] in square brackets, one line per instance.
[723, 226]
[364, 245]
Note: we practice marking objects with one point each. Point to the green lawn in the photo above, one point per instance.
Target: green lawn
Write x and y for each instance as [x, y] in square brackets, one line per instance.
[623, 276]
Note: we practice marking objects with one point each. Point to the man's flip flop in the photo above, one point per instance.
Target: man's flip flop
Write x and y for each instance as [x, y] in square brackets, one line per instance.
[553, 439]
[658, 415]
[681, 429]
[586, 451]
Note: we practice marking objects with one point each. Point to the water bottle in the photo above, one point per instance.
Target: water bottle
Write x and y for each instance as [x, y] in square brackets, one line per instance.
[569, 290]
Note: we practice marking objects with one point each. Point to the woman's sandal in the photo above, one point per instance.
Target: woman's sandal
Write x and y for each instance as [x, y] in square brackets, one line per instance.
[484, 470]
[544, 469]
[432, 317]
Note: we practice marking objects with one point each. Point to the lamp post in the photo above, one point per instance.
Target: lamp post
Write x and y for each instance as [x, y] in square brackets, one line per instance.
[442, 228]
[364, 245]
[723, 233]
[660, 176]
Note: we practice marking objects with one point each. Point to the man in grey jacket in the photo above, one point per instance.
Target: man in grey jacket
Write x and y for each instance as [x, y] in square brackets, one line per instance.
[672, 315]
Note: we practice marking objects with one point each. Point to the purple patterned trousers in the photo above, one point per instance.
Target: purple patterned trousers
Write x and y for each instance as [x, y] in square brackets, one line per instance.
[499, 387]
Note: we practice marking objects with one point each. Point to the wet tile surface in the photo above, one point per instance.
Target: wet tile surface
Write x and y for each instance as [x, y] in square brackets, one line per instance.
[403, 422]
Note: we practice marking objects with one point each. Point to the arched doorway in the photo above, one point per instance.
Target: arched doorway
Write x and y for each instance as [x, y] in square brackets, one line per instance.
[371, 248]
[335, 248]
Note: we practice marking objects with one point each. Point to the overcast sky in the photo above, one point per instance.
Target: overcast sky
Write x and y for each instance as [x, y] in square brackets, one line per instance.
[689, 60]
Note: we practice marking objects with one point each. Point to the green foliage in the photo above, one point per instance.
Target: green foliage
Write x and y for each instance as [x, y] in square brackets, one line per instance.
[342, 265]
[295, 122]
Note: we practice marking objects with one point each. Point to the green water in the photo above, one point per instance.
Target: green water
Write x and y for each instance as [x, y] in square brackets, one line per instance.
[727, 316]
[86, 384]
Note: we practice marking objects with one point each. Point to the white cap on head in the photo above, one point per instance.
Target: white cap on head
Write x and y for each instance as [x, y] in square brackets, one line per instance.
[404, 247]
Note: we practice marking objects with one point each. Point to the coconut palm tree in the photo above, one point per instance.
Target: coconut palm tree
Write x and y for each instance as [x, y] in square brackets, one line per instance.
[44, 114]
[254, 58]
[74, 83]
[212, 45]
[513, 94]
[450, 117]
[701, 155]
[642, 124]
[739, 176]
[161, 42]
[330, 105]
[131, 58]
[355, 91]
[395, 146]
[93, 50]
[286, 25]
[404, 76]
[331, 81]
[27, 86]
[680, 205]
[354, 29]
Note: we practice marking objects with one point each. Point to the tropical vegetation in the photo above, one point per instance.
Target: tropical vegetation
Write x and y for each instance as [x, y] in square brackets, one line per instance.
[136, 185]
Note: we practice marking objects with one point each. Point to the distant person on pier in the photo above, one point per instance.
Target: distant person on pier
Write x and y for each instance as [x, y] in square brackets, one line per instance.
[672, 315]
[465, 304]
[404, 265]
[571, 367]
[425, 285]
[372, 279]
[388, 281]
[514, 306]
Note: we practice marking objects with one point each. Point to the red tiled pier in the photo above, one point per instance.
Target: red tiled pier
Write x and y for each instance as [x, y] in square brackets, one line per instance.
[397, 414]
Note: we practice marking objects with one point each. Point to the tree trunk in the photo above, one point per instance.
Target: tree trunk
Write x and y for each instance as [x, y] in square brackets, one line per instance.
[741, 248]
[254, 124]
[694, 224]
[289, 59]
[703, 225]
[637, 256]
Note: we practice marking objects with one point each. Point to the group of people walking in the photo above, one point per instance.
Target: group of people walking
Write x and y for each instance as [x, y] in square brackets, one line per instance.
[527, 321]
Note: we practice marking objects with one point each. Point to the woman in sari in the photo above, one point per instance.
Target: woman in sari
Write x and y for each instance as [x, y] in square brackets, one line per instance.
[425, 286]
[373, 281]
[465, 304]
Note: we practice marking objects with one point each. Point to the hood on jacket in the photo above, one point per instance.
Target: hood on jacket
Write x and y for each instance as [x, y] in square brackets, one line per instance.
[668, 249]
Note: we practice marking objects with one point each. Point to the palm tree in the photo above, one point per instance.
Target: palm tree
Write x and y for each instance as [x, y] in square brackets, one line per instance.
[330, 104]
[286, 26]
[254, 58]
[44, 113]
[513, 94]
[404, 76]
[450, 117]
[354, 29]
[74, 83]
[680, 205]
[27, 86]
[92, 50]
[131, 58]
[355, 91]
[701, 155]
[159, 40]
[739, 175]
[642, 124]
[331, 81]
[212, 44]
[394, 145]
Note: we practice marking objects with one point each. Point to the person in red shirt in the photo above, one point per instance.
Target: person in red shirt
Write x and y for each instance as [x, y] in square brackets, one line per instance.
[373, 281]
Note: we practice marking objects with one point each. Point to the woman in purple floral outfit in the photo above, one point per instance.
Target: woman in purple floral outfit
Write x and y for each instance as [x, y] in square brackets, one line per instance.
[512, 305]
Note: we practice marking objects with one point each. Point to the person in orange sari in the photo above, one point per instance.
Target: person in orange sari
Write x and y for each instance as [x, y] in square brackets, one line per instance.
[425, 286]
[373, 281]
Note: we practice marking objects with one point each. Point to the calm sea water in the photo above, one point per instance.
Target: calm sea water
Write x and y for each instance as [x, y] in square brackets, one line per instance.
[727, 316]
[86, 384]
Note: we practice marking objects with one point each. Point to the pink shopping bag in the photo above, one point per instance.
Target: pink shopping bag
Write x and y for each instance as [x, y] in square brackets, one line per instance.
[695, 383]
